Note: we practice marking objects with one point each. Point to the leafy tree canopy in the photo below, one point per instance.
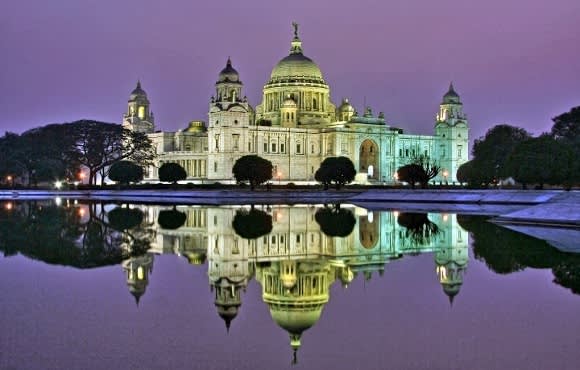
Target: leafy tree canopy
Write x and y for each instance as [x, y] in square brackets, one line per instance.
[567, 125]
[171, 172]
[253, 169]
[491, 151]
[125, 172]
[337, 170]
[171, 219]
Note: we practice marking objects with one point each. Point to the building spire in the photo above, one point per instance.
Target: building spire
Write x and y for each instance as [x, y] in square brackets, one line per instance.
[296, 43]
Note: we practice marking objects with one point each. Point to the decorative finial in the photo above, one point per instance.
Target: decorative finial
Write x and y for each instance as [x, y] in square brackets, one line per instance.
[229, 62]
[138, 83]
[451, 86]
[295, 25]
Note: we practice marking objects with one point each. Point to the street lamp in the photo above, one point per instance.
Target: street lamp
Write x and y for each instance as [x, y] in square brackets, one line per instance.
[9, 180]
[279, 174]
[445, 174]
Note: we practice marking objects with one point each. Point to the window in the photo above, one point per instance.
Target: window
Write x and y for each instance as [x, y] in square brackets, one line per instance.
[217, 142]
[442, 151]
[314, 104]
[459, 151]
[282, 148]
[236, 122]
[297, 238]
[298, 148]
[265, 147]
[273, 147]
[236, 141]
[406, 152]
[273, 239]
[312, 149]
[249, 146]
[400, 152]
[215, 166]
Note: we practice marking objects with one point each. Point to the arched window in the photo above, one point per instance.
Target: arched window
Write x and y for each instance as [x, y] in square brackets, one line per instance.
[141, 112]
[314, 103]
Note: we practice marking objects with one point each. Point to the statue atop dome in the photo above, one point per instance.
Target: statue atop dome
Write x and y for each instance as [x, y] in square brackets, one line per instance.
[295, 25]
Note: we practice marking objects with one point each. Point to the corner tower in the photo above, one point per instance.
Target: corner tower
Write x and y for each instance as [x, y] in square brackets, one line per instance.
[451, 136]
[230, 115]
[139, 117]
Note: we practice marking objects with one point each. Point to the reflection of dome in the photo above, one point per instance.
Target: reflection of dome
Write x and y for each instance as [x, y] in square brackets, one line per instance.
[296, 319]
[195, 258]
[228, 313]
[229, 74]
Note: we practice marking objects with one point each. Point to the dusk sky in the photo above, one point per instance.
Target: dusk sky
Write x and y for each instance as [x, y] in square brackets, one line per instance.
[512, 61]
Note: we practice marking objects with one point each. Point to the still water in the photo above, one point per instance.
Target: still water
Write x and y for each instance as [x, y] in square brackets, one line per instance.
[118, 286]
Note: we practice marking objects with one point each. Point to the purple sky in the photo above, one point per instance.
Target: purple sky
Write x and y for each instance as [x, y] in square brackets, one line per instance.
[512, 61]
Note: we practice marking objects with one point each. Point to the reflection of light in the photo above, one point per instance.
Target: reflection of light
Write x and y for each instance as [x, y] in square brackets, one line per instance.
[445, 217]
[76, 201]
[81, 212]
[58, 201]
[370, 217]
[442, 272]
[396, 213]
[8, 206]
[396, 176]
[58, 184]
[140, 273]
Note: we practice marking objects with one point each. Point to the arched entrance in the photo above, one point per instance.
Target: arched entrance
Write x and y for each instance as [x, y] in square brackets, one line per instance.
[369, 230]
[369, 159]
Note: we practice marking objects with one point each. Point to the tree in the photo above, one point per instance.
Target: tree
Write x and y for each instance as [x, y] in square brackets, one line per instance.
[411, 174]
[567, 125]
[430, 169]
[125, 172]
[337, 170]
[171, 172]
[97, 145]
[491, 151]
[541, 160]
[254, 169]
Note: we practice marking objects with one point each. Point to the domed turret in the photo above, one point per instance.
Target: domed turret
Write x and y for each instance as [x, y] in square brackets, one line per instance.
[451, 96]
[137, 270]
[229, 74]
[138, 94]
[346, 110]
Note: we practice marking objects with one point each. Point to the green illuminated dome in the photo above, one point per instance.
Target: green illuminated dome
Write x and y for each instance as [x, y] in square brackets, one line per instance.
[229, 73]
[296, 66]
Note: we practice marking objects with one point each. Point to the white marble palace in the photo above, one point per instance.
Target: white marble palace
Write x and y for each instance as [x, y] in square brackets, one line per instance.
[297, 126]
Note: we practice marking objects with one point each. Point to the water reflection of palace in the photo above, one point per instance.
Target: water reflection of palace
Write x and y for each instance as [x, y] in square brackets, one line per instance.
[297, 262]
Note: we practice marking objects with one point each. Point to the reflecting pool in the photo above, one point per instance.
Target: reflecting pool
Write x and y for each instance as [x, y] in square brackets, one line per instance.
[127, 286]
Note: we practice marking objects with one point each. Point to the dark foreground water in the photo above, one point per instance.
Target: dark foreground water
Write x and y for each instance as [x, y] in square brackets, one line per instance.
[101, 286]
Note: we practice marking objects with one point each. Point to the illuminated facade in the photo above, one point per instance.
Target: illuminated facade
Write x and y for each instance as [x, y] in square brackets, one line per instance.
[296, 126]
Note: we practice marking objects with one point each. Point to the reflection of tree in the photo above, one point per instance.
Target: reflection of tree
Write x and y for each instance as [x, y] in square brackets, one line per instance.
[335, 221]
[252, 224]
[419, 229]
[59, 235]
[122, 219]
[505, 251]
[171, 219]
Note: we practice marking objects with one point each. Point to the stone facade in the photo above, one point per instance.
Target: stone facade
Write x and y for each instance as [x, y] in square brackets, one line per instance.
[297, 126]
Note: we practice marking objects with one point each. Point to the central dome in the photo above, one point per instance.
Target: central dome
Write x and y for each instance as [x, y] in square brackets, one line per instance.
[296, 66]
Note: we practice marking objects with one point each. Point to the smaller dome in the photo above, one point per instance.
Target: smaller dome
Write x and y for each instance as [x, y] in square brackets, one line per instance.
[346, 106]
[138, 93]
[451, 95]
[289, 103]
[229, 74]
